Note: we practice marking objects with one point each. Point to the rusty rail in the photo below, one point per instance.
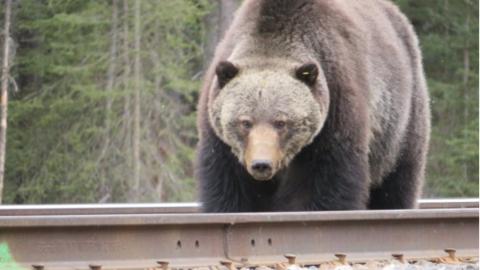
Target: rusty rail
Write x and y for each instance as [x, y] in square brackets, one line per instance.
[125, 240]
[189, 207]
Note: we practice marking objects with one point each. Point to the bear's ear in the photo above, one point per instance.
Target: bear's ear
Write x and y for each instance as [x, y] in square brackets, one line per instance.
[225, 72]
[307, 73]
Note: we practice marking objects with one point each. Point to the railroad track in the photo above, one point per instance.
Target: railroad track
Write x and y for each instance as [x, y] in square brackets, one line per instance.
[130, 236]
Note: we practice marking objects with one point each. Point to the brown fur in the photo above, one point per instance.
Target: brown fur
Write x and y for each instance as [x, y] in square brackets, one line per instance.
[373, 113]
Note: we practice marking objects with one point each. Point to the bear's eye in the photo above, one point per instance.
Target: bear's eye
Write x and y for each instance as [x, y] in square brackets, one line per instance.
[279, 124]
[246, 124]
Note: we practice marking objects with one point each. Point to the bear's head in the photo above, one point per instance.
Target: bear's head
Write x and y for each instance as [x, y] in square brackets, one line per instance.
[267, 113]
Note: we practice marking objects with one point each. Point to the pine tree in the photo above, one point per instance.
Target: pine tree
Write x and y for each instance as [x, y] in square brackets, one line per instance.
[82, 116]
[448, 32]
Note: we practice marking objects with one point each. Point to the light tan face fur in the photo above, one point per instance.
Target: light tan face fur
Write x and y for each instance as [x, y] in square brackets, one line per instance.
[268, 115]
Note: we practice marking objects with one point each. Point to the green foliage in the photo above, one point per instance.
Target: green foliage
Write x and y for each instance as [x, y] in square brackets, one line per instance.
[448, 32]
[59, 147]
[52, 120]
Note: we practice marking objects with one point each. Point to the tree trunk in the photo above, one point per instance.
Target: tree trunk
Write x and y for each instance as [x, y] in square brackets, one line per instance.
[126, 144]
[112, 66]
[4, 93]
[466, 114]
[136, 104]
[159, 179]
[217, 23]
[111, 71]
[227, 10]
[466, 71]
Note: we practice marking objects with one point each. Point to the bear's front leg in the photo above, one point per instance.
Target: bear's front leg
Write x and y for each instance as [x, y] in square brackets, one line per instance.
[340, 179]
[220, 178]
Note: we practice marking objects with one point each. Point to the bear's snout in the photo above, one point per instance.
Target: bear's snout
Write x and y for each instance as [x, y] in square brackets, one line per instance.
[262, 154]
[262, 167]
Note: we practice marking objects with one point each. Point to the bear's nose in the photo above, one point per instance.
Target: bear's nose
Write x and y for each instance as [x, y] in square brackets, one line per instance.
[262, 166]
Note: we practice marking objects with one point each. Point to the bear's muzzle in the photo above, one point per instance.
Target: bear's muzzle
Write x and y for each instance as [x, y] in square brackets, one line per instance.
[262, 155]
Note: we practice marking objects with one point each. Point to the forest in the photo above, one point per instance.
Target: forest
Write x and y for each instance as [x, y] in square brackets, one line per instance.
[102, 96]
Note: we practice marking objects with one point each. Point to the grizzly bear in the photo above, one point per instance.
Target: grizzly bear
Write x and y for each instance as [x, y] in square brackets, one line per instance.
[313, 105]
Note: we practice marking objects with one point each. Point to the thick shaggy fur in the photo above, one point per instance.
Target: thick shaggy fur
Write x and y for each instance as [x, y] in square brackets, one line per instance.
[371, 150]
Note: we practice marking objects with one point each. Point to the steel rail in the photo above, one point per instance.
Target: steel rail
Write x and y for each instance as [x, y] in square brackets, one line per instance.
[157, 208]
[137, 241]
[448, 203]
